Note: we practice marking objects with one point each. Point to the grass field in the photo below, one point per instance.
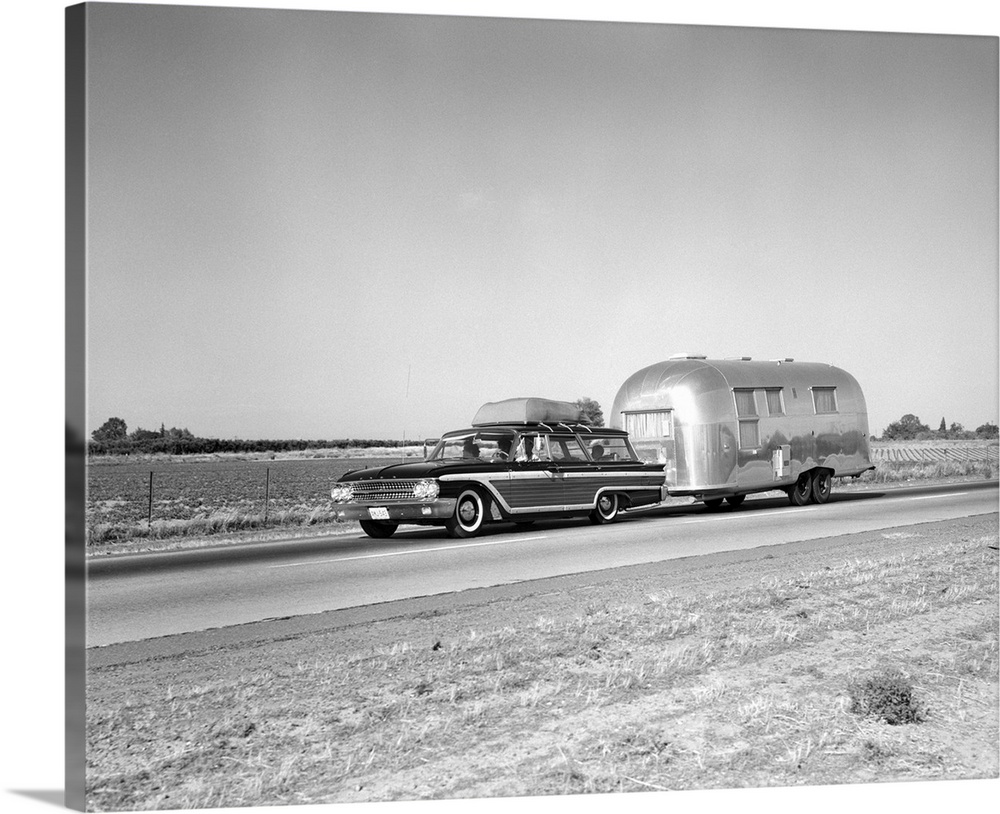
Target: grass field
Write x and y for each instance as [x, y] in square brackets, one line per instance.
[206, 496]
[869, 658]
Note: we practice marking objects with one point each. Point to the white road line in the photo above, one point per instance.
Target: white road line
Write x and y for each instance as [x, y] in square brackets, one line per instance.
[410, 551]
[747, 515]
[933, 497]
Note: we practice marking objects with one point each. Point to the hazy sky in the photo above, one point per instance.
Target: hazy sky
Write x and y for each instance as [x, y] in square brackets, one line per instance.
[321, 224]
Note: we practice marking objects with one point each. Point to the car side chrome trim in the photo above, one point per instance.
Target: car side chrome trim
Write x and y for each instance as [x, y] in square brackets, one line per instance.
[485, 481]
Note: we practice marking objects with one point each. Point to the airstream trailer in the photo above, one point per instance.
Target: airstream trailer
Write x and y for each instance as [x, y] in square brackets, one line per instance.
[724, 428]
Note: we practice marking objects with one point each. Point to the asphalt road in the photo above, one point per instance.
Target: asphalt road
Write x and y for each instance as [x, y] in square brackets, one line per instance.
[136, 597]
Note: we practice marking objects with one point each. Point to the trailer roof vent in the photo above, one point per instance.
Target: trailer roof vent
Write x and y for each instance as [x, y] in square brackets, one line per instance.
[739, 358]
[786, 359]
[689, 356]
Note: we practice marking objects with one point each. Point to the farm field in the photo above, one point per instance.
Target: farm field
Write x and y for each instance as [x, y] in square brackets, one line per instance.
[176, 499]
[931, 451]
[170, 497]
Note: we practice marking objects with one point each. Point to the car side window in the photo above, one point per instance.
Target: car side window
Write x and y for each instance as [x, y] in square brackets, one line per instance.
[531, 446]
[608, 448]
[566, 448]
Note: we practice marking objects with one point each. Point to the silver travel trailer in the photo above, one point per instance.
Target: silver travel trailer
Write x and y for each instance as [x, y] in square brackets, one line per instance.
[727, 427]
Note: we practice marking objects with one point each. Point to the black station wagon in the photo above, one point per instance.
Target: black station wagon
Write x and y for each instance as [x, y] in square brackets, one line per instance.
[522, 460]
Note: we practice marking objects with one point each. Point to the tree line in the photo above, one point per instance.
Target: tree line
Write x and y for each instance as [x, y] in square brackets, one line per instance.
[113, 438]
[910, 428]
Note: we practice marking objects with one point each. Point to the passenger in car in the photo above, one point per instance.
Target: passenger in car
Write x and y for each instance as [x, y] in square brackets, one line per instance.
[560, 452]
[541, 451]
[503, 449]
[597, 452]
[470, 449]
[530, 449]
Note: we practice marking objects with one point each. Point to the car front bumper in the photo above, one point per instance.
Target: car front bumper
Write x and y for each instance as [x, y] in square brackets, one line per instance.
[410, 512]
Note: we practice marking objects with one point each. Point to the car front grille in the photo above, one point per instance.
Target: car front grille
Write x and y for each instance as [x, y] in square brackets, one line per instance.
[382, 491]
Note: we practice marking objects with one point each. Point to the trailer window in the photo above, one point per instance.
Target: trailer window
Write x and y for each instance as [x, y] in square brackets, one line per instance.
[825, 399]
[649, 424]
[774, 405]
[746, 404]
[749, 434]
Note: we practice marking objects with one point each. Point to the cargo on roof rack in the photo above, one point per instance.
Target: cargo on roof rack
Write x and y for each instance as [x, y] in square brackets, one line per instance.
[527, 411]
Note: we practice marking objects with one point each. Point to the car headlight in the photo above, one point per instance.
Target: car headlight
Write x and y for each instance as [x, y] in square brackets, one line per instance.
[426, 489]
[341, 492]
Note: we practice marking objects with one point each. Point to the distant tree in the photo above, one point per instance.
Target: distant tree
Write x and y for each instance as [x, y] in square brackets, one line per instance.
[906, 429]
[114, 429]
[139, 435]
[944, 427]
[986, 431]
[592, 413]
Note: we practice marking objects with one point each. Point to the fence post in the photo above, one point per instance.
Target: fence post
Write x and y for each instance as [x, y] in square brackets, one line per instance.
[149, 518]
[267, 490]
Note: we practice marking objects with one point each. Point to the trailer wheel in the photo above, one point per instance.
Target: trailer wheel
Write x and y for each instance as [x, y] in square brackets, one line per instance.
[712, 503]
[822, 485]
[606, 510]
[736, 500]
[801, 493]
[378, 529]
[470, 514]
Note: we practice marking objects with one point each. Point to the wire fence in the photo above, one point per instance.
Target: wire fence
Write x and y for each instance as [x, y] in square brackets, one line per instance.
[132, 494]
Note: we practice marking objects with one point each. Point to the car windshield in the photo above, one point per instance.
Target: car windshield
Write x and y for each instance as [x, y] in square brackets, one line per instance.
[474, 445]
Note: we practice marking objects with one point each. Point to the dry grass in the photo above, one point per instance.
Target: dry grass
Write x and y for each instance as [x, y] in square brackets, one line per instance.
[208, 525]
[636, 687]
[902, 471]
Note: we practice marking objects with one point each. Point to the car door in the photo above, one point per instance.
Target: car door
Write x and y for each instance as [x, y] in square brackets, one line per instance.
[536, 482]
[579, 478]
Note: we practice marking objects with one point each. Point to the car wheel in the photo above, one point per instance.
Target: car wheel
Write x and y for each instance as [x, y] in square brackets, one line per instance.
[470, 514]
[822, 485]
[801, 493]
[712, 503]
[735, 500]
[378, 529]
[606, 510]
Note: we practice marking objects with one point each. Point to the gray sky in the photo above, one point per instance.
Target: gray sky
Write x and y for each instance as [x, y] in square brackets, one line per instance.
[319, 224]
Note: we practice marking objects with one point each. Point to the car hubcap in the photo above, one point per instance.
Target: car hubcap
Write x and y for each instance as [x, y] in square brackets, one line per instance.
[606, 505]
[467, 512]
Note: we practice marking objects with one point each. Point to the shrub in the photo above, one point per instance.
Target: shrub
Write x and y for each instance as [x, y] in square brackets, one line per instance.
[887, 695]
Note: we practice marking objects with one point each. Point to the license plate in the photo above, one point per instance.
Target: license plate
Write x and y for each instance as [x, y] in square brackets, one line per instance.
[378, 513]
